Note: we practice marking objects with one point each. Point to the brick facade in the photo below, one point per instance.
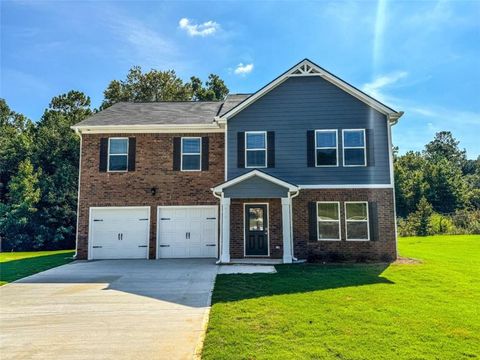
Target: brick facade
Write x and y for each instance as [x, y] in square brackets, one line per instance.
[237, 223]
[154, 168]
[383, 249]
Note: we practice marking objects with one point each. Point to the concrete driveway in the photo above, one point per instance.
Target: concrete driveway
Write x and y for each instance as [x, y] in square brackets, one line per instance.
[112, 309]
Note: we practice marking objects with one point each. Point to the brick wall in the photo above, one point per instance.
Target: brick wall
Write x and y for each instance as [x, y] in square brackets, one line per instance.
[154, 168]
[382, 249]
[237, 227]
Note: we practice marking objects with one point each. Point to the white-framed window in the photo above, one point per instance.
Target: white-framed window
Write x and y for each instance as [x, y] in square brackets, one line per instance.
[356, 221]
[191, 158]
[255, 149]
[117, 154]
[354, 148]
[326, 148]
[328, 220]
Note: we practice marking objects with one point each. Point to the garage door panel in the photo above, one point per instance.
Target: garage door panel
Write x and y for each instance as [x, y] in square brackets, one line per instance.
[119, 233]
[187, 232]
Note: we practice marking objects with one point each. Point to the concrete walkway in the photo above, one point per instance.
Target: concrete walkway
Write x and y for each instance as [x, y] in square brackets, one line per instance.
[112, 309]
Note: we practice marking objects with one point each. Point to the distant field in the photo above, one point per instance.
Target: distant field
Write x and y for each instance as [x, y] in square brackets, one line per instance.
[427, 310]
[16, 265]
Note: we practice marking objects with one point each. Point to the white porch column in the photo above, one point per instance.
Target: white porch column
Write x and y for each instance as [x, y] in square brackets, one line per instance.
[286, 226]
[225, 255]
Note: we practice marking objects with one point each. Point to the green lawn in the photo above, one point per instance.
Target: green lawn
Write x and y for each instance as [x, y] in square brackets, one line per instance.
[429, 310]
[16, 265]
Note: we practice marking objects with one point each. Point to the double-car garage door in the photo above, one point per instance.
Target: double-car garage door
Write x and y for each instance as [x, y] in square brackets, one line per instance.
[182, 232]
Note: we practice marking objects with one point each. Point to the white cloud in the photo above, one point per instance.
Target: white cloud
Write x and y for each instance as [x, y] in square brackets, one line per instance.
[206, 29]
[375, 87]
[243, 69]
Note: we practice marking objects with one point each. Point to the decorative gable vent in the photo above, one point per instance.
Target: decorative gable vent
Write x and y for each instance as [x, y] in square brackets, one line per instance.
[305, 69]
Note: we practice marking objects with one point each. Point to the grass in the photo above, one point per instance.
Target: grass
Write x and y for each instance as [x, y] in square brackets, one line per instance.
[16, 265]
[429, 310]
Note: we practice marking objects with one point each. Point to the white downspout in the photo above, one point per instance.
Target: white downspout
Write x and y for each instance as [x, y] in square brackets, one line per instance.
[291, 223]
[220, 221]
[78, 191]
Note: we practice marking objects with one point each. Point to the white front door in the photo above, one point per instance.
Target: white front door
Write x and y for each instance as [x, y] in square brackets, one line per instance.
[187, 231]
[119, 233]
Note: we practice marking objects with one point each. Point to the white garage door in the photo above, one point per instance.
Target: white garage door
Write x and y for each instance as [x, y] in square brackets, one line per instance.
[119, 233]
[187, 231]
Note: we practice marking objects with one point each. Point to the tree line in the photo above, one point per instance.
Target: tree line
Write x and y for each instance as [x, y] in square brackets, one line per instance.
[437, 190]
[39, 160]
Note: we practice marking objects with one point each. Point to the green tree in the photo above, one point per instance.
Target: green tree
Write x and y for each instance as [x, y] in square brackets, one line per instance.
[420, 219]
[16, 139]
[58, 182]
[156, 85]
[17, 217]
[445, 146]
[215, 88]
[410, 182]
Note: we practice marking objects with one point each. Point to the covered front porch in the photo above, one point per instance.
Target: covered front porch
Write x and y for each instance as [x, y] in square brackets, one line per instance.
[256, 219]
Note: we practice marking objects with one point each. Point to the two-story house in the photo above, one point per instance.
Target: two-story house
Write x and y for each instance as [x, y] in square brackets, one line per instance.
[300, 169]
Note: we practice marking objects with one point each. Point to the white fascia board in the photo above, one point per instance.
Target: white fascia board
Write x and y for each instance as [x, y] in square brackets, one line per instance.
[178, 128]
[347, 186]
[260, 174]
[392, 115]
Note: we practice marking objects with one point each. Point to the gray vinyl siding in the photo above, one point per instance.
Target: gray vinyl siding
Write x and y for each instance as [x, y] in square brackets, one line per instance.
[308, 103]
[255, 187]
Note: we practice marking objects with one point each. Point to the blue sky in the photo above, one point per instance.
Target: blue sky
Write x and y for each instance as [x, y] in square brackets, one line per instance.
[419, 57]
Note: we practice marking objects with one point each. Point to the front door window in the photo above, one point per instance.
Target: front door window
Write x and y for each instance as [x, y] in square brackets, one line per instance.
[256, 230]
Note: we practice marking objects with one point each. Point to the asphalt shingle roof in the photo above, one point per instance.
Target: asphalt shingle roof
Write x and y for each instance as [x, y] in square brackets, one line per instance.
[163, 113]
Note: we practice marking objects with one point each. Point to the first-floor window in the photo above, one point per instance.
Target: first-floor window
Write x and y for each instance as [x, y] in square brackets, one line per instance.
[328, 220]
[117, 154]
[255, 149]
[191, 153]
[356, 220]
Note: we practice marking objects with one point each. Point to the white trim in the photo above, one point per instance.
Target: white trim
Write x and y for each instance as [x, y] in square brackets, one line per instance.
[244, 233]
[166, 128]
[225, 232]
[287, 229]
[347, 186]
[392, 181]
[339, 221]
[346, 221]
[108, 154]
[326, 147]
[238, 179]
[256, 149]
[78, 194]
[90, 244]
[364, 147]
[184, 207]
[314, 70]
[225, 153]
[182, 153]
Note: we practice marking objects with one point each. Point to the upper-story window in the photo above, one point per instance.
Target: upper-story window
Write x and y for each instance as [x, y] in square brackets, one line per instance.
[191, 154]
[354, 149]
[255, 149]
[326, 150]
[117, 154]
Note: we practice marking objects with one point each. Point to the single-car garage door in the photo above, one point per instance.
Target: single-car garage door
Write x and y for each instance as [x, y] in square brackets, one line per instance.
[187, 231]
[119, 233]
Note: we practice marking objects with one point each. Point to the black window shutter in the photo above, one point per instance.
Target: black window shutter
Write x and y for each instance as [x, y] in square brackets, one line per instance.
[177, 153]
[311, 148]
[271, 149]
[312, 221]
[373, 220]
[205, 157]
[103, 155]
[132, 149]
[370, 147]
[241, 149]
